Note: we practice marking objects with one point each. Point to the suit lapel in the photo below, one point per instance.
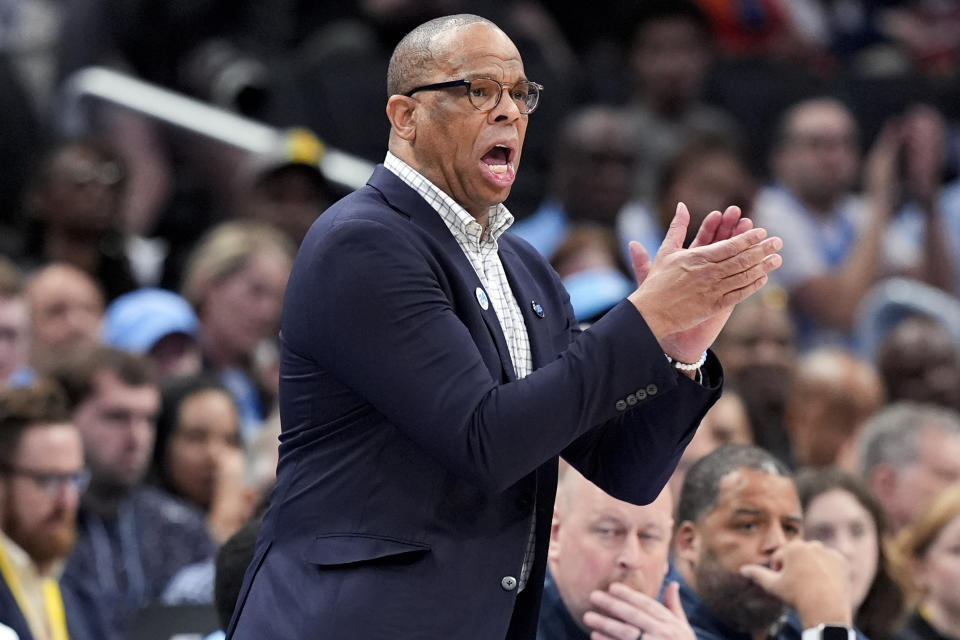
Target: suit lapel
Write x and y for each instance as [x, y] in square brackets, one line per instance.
[409, 203]
[528, 293]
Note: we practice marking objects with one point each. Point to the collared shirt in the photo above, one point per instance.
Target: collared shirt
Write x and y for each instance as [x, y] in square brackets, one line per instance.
[31, 583]
[480, 247]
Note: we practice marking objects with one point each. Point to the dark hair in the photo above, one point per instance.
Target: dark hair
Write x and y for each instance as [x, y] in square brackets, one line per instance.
[21, 408]
[701, 486]
[77, 373]
[11, 279]
[650, 11]
[231, 565]
[883, 605]
[784, 128]
[174, 393]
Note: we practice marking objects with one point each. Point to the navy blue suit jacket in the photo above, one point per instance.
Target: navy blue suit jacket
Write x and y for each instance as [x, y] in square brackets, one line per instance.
[411, 459]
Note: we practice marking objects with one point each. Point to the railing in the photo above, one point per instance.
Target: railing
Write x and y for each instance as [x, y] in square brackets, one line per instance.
[175, 109]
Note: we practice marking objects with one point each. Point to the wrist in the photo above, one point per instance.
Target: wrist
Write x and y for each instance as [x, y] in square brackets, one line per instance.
[687, 366]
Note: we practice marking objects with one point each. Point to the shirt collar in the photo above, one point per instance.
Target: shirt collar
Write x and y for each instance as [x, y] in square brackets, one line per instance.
[498, 221]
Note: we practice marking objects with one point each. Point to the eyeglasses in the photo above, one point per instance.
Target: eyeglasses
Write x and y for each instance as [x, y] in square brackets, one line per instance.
[485, 93]
[49, 482]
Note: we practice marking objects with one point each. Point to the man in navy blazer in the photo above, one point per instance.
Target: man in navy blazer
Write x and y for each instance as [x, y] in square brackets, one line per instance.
[432, 372]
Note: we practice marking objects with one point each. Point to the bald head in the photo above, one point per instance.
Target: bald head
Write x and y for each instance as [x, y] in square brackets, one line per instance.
[418, 52]
[597, 540]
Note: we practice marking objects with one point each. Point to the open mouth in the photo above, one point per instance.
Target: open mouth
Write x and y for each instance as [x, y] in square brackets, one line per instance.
[499, 163]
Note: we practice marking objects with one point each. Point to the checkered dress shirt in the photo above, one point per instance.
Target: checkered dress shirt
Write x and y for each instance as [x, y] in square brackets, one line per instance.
[480, 248]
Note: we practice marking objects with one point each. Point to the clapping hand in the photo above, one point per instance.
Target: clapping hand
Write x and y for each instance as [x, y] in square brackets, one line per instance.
[687, 295]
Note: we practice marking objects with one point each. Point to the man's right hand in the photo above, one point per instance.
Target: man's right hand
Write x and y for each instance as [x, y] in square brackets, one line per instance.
[623, 613]
[686, 295]
[810, 578]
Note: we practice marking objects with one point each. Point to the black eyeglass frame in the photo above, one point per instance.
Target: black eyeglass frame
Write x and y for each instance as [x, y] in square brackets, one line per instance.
[466, 83]
[50, 482]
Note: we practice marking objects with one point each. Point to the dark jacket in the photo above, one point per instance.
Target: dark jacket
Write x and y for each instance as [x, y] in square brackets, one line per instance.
[411, 460]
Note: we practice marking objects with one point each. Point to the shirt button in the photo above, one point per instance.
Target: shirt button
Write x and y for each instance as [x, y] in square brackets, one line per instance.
[641, 394]
[652, 389]
[631, 399]
[621, 405]
[509, 583]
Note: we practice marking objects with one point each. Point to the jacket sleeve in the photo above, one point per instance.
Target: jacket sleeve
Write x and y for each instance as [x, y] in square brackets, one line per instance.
[368, 307]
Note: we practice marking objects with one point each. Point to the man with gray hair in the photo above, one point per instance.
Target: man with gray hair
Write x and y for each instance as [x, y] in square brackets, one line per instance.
[909, 452]
[432, 372]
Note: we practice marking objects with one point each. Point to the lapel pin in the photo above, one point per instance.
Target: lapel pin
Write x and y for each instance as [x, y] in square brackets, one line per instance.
[482, 299]
[537, 308]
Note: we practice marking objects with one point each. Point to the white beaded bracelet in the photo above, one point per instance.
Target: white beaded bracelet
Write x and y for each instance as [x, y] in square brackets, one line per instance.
[683, 366]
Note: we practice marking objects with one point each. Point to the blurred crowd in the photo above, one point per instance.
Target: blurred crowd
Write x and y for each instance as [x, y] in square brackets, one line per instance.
[142, 267]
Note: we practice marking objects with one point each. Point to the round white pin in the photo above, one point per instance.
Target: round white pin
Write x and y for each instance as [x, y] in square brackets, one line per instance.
[483, 299]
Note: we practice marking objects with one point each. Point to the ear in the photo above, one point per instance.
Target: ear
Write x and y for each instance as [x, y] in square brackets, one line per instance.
[401, 111]
[553, 552]
[687, 542]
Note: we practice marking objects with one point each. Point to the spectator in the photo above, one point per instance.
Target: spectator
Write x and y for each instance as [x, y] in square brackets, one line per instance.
[14, 323]
[669, 53]
[132, 538]
[198, 455]
[908, 454]
[590, 265]
[707, 173]
[607, 561]
[759, 352]
[231, 563]
[66, 313]
[838, 250]
[726, 423]
[840, 512]
[590, 178]
[41, 480]
[287, 192]
[73, 214]
[831, 396]
[920, 362]
[740, 554]
[927, 551]
[235, 280]
[158, 323]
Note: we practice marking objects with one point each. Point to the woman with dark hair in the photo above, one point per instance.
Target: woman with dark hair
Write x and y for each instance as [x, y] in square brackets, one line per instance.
[198, 454]
[839, 511]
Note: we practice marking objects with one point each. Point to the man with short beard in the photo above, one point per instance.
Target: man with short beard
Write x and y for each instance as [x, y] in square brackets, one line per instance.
[132, 539]
[41, 479]
[741, 559]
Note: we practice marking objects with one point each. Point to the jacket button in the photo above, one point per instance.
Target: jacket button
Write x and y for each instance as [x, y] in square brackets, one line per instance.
[641, 394]
[652, 389]
[509, 583]
[621, 405]
[631, 399]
